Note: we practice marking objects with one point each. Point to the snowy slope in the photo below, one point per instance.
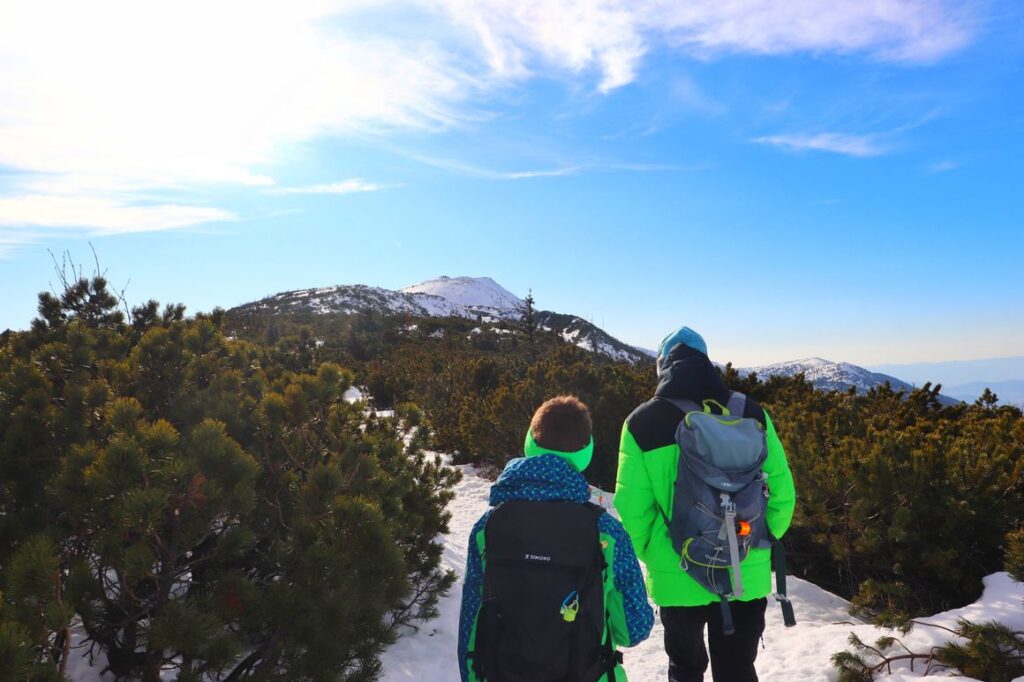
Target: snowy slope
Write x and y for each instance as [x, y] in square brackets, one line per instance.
[472, 293]
[829, 375]
[460, 296]
[835, 376]
[348, 299]
[799, 654]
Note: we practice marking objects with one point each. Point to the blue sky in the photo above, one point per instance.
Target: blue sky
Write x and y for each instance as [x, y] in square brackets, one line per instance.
[839, 179]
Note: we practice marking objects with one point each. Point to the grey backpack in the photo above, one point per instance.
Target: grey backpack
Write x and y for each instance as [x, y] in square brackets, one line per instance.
[718, 509]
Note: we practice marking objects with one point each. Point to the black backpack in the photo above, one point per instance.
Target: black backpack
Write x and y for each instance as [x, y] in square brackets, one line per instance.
[542, 618]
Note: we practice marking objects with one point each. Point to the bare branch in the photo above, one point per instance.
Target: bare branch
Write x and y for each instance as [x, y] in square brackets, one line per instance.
[96, 259]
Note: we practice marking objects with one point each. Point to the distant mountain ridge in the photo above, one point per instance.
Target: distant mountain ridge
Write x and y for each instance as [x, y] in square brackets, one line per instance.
[350, 299]
[481, 298]
[467, 297]
[836, 376]
[967, 379]
[1010, 392]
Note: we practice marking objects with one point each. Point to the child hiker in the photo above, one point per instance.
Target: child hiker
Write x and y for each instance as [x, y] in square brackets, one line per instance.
[552, 584]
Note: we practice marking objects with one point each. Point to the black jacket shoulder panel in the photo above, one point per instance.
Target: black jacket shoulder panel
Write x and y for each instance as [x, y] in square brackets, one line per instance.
[753, 410]
[654, 423]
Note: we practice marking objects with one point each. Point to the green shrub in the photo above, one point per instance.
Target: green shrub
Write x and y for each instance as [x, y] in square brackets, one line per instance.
[202, 503]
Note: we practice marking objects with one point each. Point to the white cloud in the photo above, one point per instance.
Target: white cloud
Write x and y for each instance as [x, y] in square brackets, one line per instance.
[161, 94]
[9, 244]
[101, 101]
[898, 30]
[838, 143]
[550, 173]
[612, 36]
[353, 186]
[463, 168]
[101, 216]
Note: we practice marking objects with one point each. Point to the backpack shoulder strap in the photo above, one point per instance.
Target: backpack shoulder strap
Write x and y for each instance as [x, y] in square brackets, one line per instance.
[610, 658]
[595, 509]
[684, 405]
[737, 404]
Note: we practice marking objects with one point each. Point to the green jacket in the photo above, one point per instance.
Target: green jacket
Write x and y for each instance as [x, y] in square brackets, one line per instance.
[648, 461]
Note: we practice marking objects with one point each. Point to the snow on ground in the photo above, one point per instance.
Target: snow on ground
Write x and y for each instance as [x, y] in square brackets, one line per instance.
[798, 654]
[80, 668]
[429, 654]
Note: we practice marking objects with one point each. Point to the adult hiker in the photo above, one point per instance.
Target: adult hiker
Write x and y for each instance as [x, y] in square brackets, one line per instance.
[552, 585]
[704, 490]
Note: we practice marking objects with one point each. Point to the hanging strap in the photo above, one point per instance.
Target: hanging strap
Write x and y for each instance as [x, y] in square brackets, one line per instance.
[729, 526]
[612, 657]
[727, 625]
[779, 565]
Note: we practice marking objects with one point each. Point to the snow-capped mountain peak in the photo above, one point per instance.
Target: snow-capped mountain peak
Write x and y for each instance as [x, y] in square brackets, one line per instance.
[474, 298]
[470, 292]
[828, 375]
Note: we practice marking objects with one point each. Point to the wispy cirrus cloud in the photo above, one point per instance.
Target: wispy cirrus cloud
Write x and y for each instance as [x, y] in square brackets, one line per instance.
[10, 243]
[98, 216]
[836, 143]
[352, 186]
[515, 37]
[551, 173]
[464, 168]
[472, 170]
[106, 102]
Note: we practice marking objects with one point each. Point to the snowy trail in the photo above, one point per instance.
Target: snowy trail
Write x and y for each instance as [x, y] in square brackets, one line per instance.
[798, 654]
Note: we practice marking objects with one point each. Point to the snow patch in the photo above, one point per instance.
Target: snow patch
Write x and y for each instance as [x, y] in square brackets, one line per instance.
[471, 292]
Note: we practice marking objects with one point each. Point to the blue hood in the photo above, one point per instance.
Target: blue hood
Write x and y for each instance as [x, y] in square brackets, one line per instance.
[540, 478]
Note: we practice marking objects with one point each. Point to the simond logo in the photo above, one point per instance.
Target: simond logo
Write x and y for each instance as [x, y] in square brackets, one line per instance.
[537, 557]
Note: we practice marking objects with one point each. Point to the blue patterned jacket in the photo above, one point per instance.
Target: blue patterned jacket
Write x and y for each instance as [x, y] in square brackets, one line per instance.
[547, 478]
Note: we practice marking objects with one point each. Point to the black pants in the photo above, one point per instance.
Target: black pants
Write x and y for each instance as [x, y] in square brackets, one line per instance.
[732, 657]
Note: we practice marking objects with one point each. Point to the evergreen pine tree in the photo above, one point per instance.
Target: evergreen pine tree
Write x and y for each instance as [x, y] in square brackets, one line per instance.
[988, 399]
[1015, 554]
[529, 325]
[205, 506]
